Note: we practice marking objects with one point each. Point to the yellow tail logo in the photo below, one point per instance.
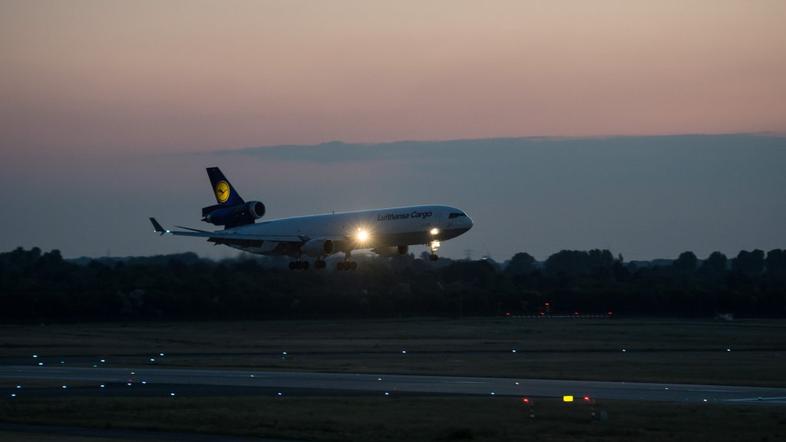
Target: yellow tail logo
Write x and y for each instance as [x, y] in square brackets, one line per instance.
[222, 191]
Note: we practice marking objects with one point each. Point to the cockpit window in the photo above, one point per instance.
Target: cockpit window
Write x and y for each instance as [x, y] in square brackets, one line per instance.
[456, 215]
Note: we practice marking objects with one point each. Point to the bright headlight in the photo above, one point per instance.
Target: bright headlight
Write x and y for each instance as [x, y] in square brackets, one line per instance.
[361, 235]
[434, 231]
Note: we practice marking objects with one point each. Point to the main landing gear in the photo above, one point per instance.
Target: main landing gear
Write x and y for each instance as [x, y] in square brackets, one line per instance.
[347, 263]
[299, 265]
[319, 264]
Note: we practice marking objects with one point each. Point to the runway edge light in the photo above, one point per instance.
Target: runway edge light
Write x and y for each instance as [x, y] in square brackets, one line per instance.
[567, 398]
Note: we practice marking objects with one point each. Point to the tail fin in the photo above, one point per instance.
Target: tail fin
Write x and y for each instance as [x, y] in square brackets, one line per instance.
[225, 193]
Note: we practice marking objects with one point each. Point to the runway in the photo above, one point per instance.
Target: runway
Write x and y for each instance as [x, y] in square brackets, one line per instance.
[390, 385]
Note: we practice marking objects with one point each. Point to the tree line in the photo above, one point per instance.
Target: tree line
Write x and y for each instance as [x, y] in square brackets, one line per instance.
[42, 286]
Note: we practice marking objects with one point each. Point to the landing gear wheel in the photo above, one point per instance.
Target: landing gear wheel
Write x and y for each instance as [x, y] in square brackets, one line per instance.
[346, 265]
[433, 246]
[298, 265]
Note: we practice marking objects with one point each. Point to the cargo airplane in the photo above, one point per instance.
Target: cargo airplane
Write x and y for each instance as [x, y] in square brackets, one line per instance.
[383, 231]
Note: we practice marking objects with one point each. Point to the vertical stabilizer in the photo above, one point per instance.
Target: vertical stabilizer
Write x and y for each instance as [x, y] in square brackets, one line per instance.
[225, 193]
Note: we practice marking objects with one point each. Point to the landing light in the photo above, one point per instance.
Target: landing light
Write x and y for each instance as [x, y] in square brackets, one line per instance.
[362, 235]
[434, 231]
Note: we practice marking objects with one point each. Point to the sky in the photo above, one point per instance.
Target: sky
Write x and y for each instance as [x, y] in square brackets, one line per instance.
[110, 110]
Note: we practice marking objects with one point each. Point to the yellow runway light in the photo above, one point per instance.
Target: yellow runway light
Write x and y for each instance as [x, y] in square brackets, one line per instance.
[567, 398]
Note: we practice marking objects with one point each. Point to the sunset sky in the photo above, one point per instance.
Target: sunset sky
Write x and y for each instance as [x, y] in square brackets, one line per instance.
[98, 85]
[195, 75]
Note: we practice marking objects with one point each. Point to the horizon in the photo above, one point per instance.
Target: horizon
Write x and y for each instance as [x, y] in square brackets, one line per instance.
[646, 128]
[702, 193]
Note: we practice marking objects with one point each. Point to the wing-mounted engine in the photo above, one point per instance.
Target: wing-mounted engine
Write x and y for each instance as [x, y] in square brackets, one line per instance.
[391, 251]
[233, 216]
[318, 247]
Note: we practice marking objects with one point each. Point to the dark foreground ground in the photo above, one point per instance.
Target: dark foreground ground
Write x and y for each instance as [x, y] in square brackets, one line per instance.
[673, 351]
[410, 418]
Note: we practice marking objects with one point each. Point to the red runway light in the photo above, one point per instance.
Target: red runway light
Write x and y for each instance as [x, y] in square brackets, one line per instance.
[586, 398]
[525, 400]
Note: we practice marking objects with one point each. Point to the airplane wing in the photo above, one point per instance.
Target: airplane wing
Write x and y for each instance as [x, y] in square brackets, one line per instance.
[226, 236]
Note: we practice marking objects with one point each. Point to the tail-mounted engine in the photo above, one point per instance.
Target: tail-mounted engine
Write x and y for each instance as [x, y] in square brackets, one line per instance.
[233, 216]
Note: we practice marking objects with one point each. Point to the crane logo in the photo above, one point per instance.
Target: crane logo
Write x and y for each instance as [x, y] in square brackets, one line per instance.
[222, 191]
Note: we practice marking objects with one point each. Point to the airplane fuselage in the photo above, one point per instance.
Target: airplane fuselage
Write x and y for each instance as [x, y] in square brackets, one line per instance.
[385, 228]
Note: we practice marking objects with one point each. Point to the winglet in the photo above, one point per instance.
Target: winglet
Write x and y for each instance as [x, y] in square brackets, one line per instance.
[157, 226]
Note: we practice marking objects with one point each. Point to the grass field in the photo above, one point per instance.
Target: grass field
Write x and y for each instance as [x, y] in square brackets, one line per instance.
[751, 352]
[740, 352]
[410, 418]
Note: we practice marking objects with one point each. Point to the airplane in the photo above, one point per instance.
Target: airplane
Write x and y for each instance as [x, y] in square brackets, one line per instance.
[387, 232]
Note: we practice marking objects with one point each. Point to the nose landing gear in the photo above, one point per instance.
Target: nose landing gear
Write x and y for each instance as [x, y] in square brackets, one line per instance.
[433, 247]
